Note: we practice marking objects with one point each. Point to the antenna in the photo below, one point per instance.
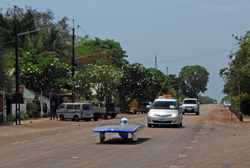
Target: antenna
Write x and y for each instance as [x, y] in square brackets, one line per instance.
[156, 61]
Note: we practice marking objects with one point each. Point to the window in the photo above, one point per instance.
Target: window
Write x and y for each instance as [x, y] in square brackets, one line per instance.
[164, 105]
[62, 106]
[70, 106]
[85, 107]
[189, 101]
[77, 106]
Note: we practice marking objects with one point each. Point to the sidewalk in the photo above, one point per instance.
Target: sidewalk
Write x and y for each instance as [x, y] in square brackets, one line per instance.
[26, 121]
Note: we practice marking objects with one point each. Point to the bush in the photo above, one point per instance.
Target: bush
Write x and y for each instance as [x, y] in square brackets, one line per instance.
[11, 117]
[244, 103]
[23, 116]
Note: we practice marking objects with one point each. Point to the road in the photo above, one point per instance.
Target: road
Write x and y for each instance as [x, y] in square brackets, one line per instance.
[199, 143]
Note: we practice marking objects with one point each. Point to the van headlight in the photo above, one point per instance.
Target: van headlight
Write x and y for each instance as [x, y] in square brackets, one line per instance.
[195, 107]
[174, 114]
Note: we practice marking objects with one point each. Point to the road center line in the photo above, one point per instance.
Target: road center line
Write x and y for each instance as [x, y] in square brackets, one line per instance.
[211, 116]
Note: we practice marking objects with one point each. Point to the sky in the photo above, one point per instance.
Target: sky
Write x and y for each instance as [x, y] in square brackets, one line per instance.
[177, 32]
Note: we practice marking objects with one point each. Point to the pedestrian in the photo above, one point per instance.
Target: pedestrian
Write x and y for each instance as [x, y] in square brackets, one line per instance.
[45, 108]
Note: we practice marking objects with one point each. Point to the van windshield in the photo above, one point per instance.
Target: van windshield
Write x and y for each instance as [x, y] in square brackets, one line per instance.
[164, 105]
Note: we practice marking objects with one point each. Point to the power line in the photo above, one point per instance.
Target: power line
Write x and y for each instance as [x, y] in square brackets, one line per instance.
[7, 3]
[7, 42]
[84, 30]
[182, 59]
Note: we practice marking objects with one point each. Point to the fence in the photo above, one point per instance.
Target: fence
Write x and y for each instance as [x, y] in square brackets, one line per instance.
[238, 114]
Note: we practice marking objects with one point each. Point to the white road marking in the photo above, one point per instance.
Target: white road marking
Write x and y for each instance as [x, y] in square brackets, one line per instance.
[74, 157]
[174, 166]
[183, 155]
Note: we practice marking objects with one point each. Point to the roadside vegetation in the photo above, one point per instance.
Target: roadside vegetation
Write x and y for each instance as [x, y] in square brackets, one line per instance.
[102, 71]
[237, 75]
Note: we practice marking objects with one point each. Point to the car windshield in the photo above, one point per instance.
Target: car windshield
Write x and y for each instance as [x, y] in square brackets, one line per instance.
[189, 101]
[164, 105]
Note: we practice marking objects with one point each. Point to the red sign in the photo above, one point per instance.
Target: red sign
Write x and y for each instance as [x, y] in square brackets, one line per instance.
[21, 88]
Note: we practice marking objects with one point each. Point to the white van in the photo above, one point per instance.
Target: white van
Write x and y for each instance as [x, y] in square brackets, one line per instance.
[75, 111]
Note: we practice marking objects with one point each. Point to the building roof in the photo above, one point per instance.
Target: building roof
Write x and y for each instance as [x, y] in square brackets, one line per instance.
[29, 94]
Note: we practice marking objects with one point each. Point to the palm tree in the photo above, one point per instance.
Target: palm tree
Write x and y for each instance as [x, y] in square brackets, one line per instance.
[55, 41]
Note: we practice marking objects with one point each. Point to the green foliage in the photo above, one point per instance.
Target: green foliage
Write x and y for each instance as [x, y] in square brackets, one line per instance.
[244, 103]
[104, 80]
[11, 117]
[43, 73]
[23, 116]
[205, 99]
[238, 72]
[136, 82]
[196, 77]
[115, 50]
[33, 108]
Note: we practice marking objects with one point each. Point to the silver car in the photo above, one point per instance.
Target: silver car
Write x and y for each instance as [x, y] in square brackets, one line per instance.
[165, 111]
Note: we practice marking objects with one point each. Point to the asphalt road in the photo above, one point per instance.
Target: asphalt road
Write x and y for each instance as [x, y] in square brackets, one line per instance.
[73, 144]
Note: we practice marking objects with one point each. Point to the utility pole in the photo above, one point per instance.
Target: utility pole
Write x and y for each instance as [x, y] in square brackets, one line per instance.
[17, 96]
[73, 62]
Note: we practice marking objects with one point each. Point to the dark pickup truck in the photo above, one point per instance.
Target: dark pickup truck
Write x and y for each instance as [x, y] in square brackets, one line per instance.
[143, 108]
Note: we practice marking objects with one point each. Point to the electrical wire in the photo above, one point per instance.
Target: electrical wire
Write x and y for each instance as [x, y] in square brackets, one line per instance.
[7, 42]
[182, 59]
[84, 30]
[7, 3]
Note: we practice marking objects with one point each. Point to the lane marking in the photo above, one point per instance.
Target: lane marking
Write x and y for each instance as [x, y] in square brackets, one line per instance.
[211, 115]
[183, 155]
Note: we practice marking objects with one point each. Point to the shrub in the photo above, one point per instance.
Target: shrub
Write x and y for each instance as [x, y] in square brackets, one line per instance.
[11, 117]
[23, 116]
[244, 103]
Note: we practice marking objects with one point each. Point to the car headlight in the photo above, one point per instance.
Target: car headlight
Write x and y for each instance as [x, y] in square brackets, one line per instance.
[174, 114]
[151, 114]
[195, 107]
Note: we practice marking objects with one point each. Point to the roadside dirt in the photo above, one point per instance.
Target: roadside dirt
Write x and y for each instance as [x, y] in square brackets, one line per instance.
[223, 115]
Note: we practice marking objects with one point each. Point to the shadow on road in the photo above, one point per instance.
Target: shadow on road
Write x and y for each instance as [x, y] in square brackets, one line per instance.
[120, 141]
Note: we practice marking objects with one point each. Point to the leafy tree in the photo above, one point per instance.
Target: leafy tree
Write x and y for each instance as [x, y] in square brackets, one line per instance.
[6, 81]
[115, 50]
[196, 77]
[104, 80]
[43, 73]
[205, 99]
[238, 72]
[160, 79]
[136, 82]
[54, 41]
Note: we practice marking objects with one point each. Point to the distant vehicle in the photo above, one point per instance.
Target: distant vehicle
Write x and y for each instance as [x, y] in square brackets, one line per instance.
[227, 103]
[101, 109]
[165, 111]
[143, 108]
[190, 105]
[75, 111]
[215, 102]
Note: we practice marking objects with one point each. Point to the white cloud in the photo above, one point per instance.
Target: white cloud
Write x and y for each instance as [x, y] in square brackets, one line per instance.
[206, 6]
[227, 8]
[220, 8]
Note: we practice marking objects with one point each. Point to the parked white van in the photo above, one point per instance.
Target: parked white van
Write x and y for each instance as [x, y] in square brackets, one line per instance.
[75, 111]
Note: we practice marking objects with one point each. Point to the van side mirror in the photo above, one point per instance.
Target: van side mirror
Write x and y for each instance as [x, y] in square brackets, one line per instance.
[148, 106]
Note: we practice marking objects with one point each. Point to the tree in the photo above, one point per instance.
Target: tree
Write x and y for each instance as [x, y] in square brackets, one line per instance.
[104, 80]
[196, 77]
[238, 72]
[43, 73]
[54, 40]
[136, 82]
[160, 79]
[115, 50]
